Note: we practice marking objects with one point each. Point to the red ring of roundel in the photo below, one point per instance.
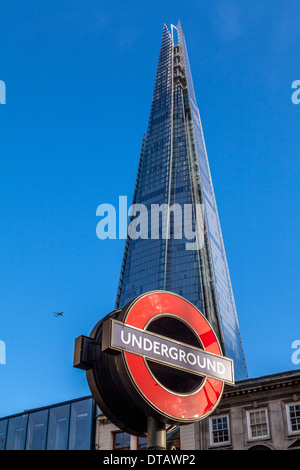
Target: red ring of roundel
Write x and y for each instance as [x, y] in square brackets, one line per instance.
[184, 408]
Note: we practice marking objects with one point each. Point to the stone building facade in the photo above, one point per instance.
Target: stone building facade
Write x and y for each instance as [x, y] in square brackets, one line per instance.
[259, 414]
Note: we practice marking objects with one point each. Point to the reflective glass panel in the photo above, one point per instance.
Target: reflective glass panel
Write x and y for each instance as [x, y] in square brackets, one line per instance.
[37, 429]
[81, 425]
[58, 428]
[16, 433]
[121, 441]
[3, 428]
[173, 439]
[142, 443]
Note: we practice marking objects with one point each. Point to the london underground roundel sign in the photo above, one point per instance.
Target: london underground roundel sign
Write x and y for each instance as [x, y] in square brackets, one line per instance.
[158, 356]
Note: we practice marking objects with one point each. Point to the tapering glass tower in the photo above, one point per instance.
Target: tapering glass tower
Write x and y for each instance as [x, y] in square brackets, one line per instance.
[173, 170]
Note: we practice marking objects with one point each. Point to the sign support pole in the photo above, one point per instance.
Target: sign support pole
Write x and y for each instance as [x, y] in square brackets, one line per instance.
[156, 434]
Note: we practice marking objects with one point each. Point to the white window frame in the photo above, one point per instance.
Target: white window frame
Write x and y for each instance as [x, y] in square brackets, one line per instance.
[249, 429]
[211, 438]
[288, 416]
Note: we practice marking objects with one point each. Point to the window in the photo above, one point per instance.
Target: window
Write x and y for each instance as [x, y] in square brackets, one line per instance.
[16, 432]
[173, 439]
[58, 428]
[81, 425]
[142, 443]
[293, 417]
[121, 440]
[219, 432]
[36, 432]
[257, 423]
[3, 428]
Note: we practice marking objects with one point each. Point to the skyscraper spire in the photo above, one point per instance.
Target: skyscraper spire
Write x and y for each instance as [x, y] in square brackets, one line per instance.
[174, 176]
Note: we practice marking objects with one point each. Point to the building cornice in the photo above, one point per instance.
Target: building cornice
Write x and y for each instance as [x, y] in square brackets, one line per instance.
[263, 384]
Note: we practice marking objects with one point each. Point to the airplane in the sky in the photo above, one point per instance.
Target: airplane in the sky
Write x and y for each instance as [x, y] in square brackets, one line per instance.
[58, 314]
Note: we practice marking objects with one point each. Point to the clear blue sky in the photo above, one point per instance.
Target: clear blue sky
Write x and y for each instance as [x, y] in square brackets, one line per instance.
[79, 78]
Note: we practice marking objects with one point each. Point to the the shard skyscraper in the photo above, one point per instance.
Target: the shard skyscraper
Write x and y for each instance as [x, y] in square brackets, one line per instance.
[173, 170]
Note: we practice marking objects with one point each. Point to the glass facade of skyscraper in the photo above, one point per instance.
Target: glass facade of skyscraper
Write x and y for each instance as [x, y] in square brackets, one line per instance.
[173, 178]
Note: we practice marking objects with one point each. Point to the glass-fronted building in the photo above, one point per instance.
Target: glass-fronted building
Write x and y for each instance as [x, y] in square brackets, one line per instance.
[64, 426]
[174, 179]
